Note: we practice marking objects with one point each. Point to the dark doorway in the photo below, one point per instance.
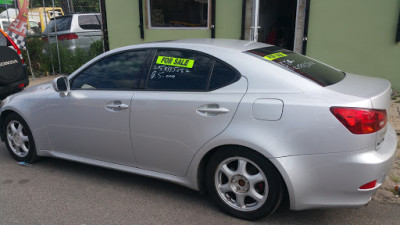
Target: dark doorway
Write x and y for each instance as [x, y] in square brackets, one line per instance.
[277, 22]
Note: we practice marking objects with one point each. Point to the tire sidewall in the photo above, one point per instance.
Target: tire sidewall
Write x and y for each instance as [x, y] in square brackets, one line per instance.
[272, 175]
[30, 157]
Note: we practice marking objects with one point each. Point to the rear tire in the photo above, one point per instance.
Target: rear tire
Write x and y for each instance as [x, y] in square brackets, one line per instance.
[243, 183]
[19, 139]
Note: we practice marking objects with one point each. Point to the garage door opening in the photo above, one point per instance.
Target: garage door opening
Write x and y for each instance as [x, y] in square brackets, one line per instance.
[279, 22]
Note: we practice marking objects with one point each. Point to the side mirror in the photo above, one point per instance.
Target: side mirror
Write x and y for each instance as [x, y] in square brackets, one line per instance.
[61, 84]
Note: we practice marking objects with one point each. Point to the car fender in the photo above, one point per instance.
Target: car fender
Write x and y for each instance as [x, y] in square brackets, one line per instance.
[33, 113]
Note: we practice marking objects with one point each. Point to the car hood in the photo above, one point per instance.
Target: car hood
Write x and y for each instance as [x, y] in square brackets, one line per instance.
[39, 87]
[376, 89]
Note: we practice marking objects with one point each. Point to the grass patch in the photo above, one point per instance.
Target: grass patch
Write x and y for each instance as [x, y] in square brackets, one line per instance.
[394, 178]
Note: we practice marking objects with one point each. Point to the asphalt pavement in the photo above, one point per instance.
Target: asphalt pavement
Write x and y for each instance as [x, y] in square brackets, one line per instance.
[53, 191]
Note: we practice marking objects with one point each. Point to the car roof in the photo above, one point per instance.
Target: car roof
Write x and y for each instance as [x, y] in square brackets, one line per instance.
[231, 44]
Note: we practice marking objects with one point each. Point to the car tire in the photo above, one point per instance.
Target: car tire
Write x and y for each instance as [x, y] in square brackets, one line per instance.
[243, 183]
[19, 139]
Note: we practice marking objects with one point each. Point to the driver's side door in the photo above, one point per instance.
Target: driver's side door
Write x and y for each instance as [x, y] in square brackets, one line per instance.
[92, 120]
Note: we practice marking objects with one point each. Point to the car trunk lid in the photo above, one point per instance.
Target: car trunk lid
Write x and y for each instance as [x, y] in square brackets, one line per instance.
[377, 90]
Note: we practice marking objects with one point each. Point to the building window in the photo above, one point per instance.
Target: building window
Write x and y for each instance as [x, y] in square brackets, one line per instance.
[178, 14]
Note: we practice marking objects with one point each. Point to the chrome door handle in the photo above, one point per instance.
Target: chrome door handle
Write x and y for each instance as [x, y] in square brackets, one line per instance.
[117, 106]
[215, 111]
[211, 110]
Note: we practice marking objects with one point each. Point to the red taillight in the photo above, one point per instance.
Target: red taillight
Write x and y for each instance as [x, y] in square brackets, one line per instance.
[369, 185]
[67, 37]
[361, 121]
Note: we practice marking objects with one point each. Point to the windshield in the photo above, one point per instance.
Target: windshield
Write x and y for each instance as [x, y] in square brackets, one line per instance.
[309, 68]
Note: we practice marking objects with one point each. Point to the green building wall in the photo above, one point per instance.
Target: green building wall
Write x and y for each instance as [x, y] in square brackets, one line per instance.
[123, 23]
[357, 36]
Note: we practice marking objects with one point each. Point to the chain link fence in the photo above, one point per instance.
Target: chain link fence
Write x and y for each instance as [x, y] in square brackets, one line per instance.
[61, 35]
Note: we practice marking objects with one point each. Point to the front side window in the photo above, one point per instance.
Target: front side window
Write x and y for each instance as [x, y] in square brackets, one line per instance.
[178, 13]
[123, 71]
[179, 70]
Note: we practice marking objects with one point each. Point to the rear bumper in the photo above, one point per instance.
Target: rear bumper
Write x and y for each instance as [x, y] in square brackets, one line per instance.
[333, 180]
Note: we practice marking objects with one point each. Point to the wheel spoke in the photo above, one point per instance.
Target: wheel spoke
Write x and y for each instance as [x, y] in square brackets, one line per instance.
[24, 148]
[242, 167]
[228, 172]
[224, 188]
[9, 137]
[255, 195]
[24, 138]
[240, 200]
[254, 179]
[19, 129]
[13, 128]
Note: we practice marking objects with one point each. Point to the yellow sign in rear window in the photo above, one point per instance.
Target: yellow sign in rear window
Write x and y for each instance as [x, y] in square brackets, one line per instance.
[171, 61]
[275, 56]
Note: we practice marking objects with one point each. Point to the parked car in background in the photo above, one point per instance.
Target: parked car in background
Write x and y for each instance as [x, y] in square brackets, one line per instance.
[248, 122]
[5, 24]
[74, 30]
[13, 71]
[38, 17]
[43, 15]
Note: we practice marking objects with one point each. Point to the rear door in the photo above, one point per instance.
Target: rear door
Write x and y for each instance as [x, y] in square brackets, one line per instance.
[189, 99]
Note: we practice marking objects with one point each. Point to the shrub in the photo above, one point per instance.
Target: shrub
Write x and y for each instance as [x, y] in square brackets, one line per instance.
[70, 59]
[39, 61]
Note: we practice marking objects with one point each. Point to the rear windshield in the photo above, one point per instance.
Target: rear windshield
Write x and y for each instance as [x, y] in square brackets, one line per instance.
[309, 68]
[63, 24]
[89, 22]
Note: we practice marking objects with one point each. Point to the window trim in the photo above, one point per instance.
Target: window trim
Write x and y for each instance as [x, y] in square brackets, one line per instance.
[149, 26]
[143, 79]
[238, 75]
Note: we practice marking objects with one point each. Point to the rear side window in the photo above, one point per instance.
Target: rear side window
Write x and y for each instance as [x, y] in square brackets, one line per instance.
[179, 70]
[122, 71]
[309, 68]
[222, 75]
[63, 23]
[89, 22]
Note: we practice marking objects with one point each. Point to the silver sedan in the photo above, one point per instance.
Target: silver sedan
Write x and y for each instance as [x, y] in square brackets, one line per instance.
[247, 122]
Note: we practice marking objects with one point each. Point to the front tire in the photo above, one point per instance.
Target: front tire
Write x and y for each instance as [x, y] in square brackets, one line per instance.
[243, 183]
[19, 139]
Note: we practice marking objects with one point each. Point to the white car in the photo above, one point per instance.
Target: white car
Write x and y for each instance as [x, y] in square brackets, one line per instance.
[248, 122]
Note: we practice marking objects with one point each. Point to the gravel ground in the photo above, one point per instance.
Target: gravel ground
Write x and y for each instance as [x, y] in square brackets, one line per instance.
[387, 192]
[40, 80]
